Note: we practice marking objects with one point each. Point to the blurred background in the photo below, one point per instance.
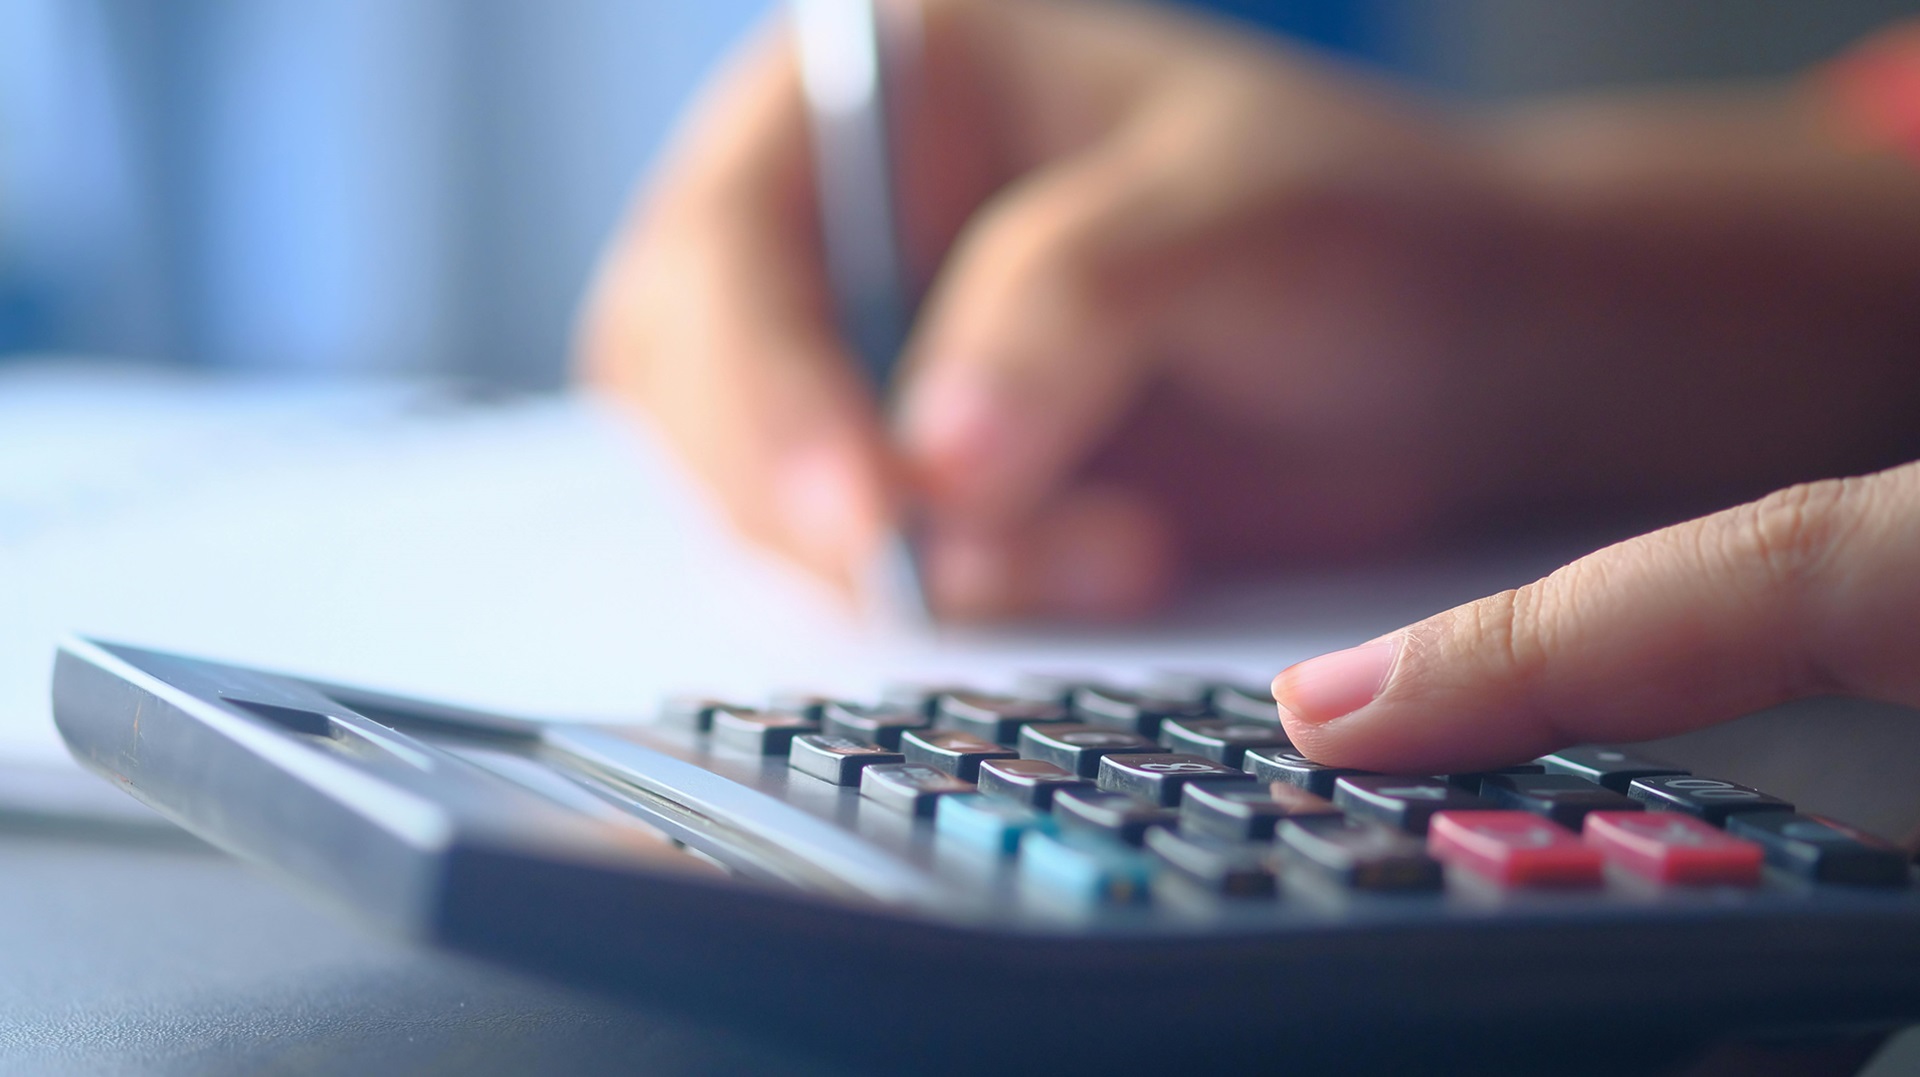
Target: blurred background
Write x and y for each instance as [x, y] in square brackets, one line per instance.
[420, 186]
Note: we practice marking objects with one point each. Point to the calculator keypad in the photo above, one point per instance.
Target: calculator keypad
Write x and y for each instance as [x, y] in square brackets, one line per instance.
[1404, 803]
[1077, 747]
[1223, 740]
[1823, 850]
[1289, 766]
[1159, 778]
[836, 759]
[998, 719]
[959, 754]
[1105, 796]
[1563, 798]
[1032, 782]
[1706, 798]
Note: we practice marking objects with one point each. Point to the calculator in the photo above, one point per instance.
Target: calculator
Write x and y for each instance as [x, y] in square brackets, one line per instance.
[1051, 877]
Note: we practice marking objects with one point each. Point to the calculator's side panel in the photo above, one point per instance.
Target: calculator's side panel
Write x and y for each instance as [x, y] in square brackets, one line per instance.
[240, 788]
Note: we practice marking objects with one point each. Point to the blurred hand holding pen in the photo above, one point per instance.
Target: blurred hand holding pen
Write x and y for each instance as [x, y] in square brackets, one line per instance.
[1202, 301]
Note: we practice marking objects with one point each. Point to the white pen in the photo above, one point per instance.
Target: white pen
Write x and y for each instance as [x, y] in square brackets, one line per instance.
[855, 56]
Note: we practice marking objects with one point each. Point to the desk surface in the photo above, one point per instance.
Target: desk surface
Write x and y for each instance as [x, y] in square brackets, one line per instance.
[172, 959]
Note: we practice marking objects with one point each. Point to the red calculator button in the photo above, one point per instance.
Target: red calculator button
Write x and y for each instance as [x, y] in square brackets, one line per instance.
[1673, 848]
[1514, 848]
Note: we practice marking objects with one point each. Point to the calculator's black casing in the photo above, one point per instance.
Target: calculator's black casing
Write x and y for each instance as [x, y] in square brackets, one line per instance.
[356, 796]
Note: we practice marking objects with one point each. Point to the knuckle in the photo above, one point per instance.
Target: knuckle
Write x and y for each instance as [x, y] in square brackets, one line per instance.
[1789, 535]
[1507, 634]
[1055, 249]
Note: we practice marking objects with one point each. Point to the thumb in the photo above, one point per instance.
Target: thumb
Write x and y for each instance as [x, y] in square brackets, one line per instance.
[1808, 591]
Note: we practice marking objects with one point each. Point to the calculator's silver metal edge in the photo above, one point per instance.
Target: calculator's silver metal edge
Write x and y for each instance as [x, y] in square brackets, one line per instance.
[860, 865]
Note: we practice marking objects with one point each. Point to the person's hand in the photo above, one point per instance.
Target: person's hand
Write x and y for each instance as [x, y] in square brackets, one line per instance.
[1105, 189]
[1199, 300]
[1813, 590]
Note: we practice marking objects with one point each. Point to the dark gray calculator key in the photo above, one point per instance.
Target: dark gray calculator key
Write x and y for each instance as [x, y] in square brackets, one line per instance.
[1472, 780]
[995, 718]
[1247, 812]
[1821, 849]
[1183, 687]
[1131, 712]
[1359, 854]
[760, 732]
[1226, 868]
[812, 707]
[912, 788]
[1287, 765]
[1615, 768]
[959, 754]
[1562, 798]
[1032, 782]
[1078, 747]
[1253, 702]
[1705, 798]
[1115, 815]
[1406, 803]
[1223, 740]
[1160, 777]
[1055, 688]
[871, 725]
[690, 712]
[919, 696]
[836, 759]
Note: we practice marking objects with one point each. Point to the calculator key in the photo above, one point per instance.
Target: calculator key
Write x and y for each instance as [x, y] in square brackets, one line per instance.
[1077, 747]
[913, 788]
[1223, 740]
[1358, 853]
[1407, 803]
[959, 754]
[1032, 782]
[1672, 848]
[1513, 848]
[810, 706]
[1287, 765]
[1115, 815]
[1821, 849]
[1085, 868]
[1159, 778]
[690, 712]
[1708, 798]
[1473, 780]
[759, 732]
[1245, 701]
[1131, 712]
[1226, 868]
[836, 759]
[1183, 686]
[984, 822]
[1562, 798]
[871, 725]
[995, 718]
[1055, 688]
[1615, 768]
[921, 697]
[1247, 813]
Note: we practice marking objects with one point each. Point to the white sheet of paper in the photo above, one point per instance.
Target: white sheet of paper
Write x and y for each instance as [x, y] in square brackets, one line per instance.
[540, 557]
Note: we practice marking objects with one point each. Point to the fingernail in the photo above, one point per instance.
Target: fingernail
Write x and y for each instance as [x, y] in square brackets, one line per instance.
[1334, 685]
[827, 511]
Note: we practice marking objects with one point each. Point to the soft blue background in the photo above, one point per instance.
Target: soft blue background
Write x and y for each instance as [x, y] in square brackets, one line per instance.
[421, 185]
